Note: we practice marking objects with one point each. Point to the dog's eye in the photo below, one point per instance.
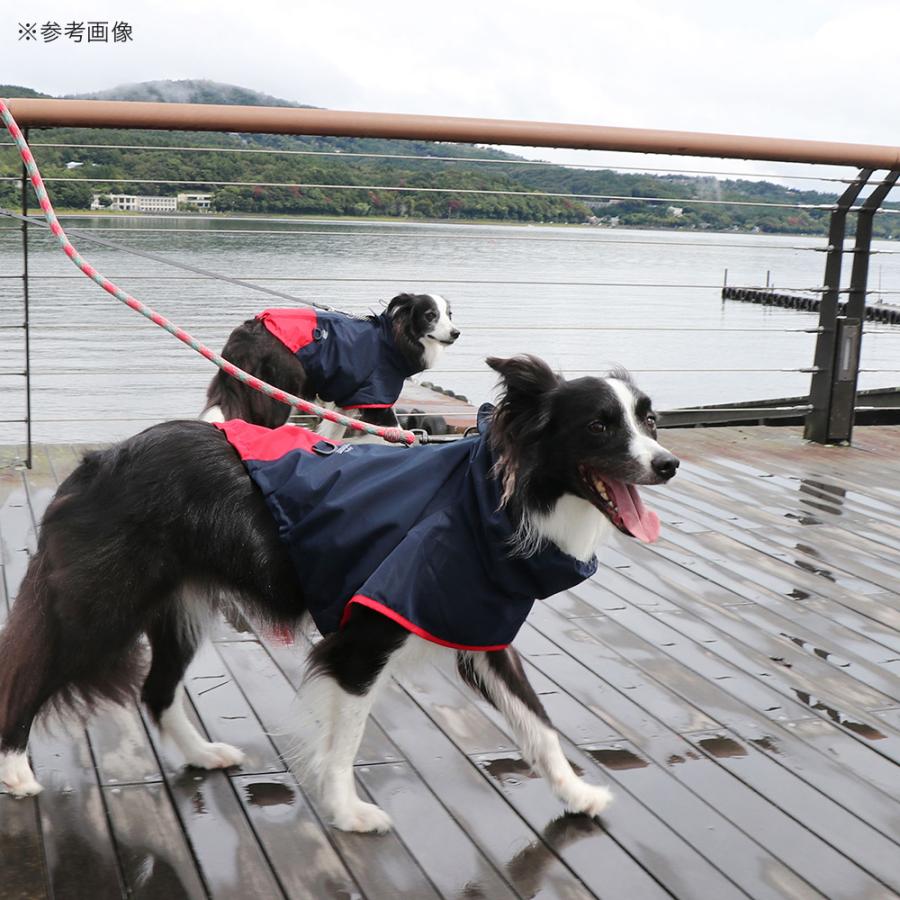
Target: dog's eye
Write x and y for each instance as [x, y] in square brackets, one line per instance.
[431, 315]
[651, 420]
[596, 427]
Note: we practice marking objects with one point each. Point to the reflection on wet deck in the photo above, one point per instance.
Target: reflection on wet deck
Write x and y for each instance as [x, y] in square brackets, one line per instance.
[738, 685]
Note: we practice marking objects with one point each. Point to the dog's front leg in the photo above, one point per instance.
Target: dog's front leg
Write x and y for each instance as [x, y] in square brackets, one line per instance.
[500, 677]
[346, 669]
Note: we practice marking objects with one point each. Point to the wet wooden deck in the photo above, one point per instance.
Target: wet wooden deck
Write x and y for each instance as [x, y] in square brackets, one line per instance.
[738, 684]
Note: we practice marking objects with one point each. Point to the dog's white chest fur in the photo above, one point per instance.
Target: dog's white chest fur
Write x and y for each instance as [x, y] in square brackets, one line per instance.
[574, 525]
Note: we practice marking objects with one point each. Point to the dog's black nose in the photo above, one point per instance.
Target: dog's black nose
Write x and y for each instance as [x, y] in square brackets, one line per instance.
[454, 334]
[665, 465]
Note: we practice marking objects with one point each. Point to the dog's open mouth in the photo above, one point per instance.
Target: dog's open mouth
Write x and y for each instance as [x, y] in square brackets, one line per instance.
[622, 505]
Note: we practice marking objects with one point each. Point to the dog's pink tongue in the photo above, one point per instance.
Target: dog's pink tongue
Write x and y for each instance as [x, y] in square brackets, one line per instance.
[641, 522]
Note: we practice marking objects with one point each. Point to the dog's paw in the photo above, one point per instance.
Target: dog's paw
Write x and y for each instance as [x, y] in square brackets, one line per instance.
[215, 756]
[590, 799]
[16, 774]
[362, 817]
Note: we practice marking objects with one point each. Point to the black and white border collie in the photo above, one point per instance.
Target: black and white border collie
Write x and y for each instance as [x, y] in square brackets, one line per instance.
[146, 536]
[407, 338]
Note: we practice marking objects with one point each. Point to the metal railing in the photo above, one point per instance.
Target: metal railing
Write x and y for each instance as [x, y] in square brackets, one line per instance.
[829, 411]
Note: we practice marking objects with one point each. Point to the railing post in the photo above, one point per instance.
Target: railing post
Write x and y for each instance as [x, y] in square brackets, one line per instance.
[26, 323]
[850, 331]
[820, 389]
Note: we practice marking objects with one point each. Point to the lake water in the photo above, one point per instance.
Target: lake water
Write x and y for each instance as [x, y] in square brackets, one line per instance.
[583, 298]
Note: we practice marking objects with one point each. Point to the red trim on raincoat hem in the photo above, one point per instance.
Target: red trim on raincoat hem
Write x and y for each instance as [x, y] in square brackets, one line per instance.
[362, 600]
[368, 406]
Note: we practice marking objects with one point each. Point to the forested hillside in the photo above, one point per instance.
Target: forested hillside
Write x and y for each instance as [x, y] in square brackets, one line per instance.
[339, 183]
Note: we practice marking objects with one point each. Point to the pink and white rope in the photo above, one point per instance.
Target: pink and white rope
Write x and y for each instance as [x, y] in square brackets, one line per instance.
[393, 435]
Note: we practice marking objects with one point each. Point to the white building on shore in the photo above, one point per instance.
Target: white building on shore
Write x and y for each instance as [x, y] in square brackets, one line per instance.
[194, 201]
[138, 203]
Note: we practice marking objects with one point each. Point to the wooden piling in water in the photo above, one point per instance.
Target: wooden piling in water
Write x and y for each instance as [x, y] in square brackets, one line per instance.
[879, 312]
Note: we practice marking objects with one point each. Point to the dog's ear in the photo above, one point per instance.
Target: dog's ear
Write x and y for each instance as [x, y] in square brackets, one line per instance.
[521, 414]
[524, 374]
[400, 302]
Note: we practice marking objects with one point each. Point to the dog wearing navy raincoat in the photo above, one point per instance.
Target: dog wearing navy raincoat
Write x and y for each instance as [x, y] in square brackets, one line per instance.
[443, 547]
[358, 364]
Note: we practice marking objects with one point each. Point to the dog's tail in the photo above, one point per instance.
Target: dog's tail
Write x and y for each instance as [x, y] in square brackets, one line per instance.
[61, 647]
[43, 667]
[253, 348]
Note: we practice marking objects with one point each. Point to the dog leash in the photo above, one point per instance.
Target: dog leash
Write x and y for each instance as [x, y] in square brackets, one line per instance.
[392, 435]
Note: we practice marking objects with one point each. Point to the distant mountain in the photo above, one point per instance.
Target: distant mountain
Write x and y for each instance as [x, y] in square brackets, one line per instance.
[188, 91]
[16, 90]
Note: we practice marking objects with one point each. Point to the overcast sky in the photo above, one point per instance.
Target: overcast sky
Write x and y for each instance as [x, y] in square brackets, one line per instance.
[795, 68]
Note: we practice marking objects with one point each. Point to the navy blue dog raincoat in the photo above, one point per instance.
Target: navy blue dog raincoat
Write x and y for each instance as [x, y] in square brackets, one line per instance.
[351, 362]
[415, 534]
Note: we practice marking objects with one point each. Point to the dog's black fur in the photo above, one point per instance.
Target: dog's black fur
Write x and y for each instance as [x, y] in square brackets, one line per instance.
[253, 348]
[145, 537]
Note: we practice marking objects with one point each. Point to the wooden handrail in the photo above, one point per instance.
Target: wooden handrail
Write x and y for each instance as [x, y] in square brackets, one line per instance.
[289, 120]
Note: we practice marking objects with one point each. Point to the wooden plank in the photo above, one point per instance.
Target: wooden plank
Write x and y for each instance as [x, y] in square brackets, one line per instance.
[297, 846]
[742, 865]
[807, 549]
[767, 505]
[817, 613]
[651, 845]
[734, 669]
[849, 680]
[398, 727]
[793, 626]
[40, 486]
[157, 863]
[853, 756]
[784, 670]
[528, 853]
[626, 696]
[793, 468]
[225, 712]
[671, 579]
[741, 605]
[821, 771]
[754, 869]
[841, 768]
[784, 619]
[62, 460]
[79, 851]
[21, 852]
[749, 576]
[454, 864]
[743, 564]
[453, 711]
[777, 832]
[846, 476]
[15, 516]
[121, 747]
[231, 861]
[864, 850]
[80, 854]
[807, 569]
[10, 482]
[379, 864]
[809, 494]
